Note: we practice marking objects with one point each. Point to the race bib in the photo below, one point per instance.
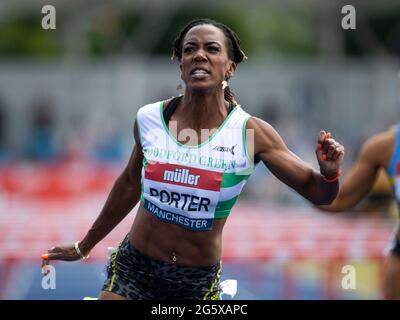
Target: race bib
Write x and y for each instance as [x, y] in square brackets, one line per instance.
[182, 195]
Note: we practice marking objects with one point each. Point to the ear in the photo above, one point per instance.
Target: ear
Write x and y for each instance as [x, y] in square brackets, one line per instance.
[231, 69]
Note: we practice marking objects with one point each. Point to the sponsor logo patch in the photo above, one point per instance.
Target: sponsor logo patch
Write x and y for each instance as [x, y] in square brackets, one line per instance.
[226, 149]
[183, 176]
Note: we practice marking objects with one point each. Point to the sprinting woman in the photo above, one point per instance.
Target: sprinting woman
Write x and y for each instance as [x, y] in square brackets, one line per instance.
[192, 156]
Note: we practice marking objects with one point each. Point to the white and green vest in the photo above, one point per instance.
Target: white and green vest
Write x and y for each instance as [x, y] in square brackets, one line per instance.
[192, 185]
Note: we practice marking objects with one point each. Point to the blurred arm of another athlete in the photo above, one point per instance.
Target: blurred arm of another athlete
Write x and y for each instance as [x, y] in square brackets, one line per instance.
[294, 172]
[375, 154]
[123, 197]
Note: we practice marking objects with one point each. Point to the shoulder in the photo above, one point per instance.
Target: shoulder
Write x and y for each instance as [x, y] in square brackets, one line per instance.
[146, 118]
[260, 127]
[382, 139]
[265, 136]
[151, 111]
[154, 106]
[378, 149]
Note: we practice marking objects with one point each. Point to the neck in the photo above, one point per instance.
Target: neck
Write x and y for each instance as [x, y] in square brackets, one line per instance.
[204, 110]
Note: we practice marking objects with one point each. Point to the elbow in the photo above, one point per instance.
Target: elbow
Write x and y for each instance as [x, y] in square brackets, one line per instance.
[329, 207]
[325, 196]
[324, 201]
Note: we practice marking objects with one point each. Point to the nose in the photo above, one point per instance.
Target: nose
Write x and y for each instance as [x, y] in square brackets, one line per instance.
[199, 56]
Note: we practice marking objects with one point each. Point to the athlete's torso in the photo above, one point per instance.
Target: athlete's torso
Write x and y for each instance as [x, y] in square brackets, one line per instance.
[187, 192]
[191, 186]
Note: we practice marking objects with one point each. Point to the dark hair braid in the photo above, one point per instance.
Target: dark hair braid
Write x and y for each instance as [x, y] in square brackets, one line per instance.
[235, 53]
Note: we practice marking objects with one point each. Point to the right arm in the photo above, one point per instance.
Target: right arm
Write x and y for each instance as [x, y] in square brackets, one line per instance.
[294, 172]
[374, 155]
[123, 197]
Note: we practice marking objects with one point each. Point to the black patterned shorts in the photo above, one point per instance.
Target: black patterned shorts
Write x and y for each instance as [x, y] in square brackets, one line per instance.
[135, 276]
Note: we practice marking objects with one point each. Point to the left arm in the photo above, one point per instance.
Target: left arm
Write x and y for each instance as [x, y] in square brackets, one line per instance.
[294, 172]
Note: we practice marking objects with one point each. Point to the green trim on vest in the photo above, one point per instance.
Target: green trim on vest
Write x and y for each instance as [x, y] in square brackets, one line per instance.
[231, 179]
[224, 208]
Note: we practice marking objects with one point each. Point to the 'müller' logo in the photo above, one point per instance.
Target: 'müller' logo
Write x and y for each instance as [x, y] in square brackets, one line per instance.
[182, 176]
[226, 149]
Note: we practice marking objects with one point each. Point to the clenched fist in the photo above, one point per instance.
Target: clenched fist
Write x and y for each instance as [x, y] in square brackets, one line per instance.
[330, 154]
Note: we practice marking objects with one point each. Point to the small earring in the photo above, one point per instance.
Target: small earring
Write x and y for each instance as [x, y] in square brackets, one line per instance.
[179, 87]
[224, 84]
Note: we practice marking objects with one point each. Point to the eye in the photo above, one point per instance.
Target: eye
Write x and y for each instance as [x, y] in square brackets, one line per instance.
[188, 49]
[213, 49]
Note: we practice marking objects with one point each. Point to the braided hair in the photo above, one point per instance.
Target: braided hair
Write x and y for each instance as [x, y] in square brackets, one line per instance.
[235, 53]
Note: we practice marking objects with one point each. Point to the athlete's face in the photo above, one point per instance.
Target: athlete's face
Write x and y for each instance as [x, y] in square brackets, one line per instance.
[205, 62]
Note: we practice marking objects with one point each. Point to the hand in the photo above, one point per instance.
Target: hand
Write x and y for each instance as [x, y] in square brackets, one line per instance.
[64, 253]
[330, 154]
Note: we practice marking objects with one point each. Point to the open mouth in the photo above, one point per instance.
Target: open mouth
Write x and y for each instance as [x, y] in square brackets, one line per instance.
[199, 73]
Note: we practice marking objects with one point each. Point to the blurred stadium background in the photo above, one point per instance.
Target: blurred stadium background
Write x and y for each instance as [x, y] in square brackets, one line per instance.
[68, 98]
